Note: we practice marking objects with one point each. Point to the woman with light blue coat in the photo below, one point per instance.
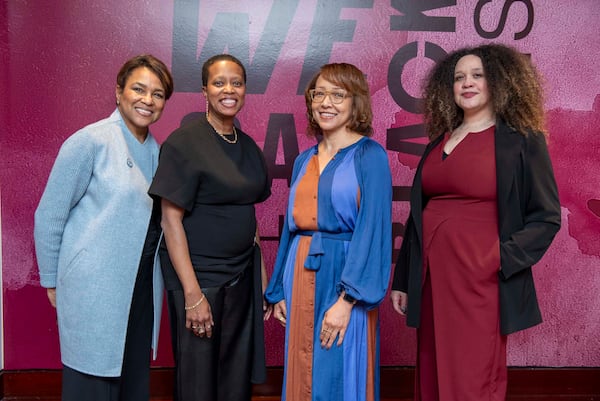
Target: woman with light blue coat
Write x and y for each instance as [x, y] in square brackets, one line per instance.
[96, 237]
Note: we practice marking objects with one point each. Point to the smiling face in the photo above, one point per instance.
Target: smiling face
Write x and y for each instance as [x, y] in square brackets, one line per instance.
[471, 92]
[225, 89]
[331, 117]
[141, 101]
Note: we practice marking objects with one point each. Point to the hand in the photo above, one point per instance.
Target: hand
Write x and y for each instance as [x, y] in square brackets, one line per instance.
[335, 322]
[267, 307]
[51, 292]
[199, 319]
[280, 312]
[399, 301]
[267, 310]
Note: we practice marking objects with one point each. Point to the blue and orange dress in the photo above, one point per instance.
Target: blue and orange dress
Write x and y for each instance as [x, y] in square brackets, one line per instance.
[337, 237]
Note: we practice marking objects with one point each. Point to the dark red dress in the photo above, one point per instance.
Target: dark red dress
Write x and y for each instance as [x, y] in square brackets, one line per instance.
[461, 355]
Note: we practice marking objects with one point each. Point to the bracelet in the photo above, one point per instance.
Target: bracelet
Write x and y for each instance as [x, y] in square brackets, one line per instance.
[195, 305]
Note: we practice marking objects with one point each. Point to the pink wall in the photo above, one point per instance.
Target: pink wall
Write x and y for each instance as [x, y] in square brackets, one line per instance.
[58, 72]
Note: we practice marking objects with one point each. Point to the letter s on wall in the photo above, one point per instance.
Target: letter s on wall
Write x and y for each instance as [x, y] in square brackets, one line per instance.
[495, 33]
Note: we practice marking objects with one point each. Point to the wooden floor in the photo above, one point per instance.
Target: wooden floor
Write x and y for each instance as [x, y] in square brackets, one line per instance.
[524, 384]
[256, 398]
[268, 398]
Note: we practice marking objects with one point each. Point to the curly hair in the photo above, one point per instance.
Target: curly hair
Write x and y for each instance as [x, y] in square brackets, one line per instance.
[350, 78]
[514, 84]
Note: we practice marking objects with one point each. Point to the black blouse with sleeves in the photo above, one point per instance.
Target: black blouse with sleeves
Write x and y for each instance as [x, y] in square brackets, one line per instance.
[217, 183]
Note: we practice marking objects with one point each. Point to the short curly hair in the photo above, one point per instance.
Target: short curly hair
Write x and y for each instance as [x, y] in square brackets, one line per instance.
[514, 84]
[350, 78]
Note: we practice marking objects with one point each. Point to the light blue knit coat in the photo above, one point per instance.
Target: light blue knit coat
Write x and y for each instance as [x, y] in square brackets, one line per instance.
[89, 232]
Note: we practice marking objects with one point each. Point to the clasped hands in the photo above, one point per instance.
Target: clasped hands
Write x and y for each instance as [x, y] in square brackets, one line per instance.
[334, 323]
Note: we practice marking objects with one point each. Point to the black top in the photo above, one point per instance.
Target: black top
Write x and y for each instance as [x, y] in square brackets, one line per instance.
[217, 183]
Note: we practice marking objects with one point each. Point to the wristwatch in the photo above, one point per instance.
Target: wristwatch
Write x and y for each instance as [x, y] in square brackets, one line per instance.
[348, 298]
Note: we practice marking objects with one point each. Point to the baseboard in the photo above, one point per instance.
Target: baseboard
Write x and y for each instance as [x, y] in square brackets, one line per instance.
[396, 383]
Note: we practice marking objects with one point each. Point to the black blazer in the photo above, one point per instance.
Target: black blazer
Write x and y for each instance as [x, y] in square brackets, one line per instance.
[528, 217]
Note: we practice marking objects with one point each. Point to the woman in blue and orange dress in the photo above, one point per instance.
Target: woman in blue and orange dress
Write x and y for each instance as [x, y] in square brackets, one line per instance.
[484, 209]
[333, 263]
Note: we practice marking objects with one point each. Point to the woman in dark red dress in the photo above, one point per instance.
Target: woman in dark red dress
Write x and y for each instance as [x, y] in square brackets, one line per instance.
[484, 209]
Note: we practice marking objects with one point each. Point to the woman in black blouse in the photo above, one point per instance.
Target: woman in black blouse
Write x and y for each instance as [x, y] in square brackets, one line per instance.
[209, 177]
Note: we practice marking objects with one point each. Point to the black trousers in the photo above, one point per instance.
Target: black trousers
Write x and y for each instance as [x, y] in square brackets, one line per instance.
[134, 382]
[216, 368]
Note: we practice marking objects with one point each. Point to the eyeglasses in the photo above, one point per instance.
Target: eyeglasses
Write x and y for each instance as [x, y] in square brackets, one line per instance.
[337, 96]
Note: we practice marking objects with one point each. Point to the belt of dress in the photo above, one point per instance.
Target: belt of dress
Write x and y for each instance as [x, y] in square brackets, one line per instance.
[313, 260]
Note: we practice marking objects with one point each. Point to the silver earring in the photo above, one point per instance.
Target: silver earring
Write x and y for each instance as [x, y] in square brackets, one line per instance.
[207, 112]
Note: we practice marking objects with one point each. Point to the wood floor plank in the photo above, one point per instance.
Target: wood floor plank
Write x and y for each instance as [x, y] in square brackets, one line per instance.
[524, 384]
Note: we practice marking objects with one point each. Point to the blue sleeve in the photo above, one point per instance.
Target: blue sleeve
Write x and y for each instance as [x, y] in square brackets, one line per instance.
[274, 291]
[67, 184]
[368, 263]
